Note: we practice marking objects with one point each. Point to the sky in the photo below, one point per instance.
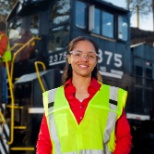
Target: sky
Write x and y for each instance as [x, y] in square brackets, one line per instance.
[146, 21]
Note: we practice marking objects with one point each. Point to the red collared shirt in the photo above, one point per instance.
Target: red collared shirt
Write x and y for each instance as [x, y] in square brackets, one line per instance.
[123, 136]
[79, 107]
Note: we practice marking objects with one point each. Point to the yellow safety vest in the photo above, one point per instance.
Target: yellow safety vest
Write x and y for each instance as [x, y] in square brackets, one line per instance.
[96, 132]
[7, 54]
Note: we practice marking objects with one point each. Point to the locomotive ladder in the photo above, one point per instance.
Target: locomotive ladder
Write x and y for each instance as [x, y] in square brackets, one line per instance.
[7, 130]
[4, 134]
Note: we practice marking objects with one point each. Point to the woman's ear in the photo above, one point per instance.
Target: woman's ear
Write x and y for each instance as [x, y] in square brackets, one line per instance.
[69, 59]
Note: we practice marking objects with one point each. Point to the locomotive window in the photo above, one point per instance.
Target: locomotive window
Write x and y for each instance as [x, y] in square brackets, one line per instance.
[59, 26]
[60, 12]
[103, 23]
[80, 13]
[107, 24]
[122, 28]
[97, 21]
[34, 26]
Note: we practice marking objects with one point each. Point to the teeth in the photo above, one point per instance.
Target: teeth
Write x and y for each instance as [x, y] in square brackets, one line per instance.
[83, 66]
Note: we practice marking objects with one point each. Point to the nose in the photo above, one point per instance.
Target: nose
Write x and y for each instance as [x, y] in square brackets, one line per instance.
[84, 57]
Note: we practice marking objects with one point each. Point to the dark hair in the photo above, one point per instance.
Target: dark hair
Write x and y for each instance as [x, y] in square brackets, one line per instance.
[68, 69]
[2, 26]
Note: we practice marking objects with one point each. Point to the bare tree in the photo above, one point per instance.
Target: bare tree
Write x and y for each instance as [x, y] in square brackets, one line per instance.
[140, 7]
[6, 7]
[152, 4]
[144, 6]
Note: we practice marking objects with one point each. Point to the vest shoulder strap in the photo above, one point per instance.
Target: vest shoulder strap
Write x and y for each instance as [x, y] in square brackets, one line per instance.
[118, 94]
[117, 98]
[48, 99]
[51, 95]
[114, 93]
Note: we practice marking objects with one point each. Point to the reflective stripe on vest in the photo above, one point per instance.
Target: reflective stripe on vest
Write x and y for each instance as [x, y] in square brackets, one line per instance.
[108, 140]
[7, 54]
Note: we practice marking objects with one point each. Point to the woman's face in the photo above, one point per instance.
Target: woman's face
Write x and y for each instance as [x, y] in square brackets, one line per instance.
[83, 59]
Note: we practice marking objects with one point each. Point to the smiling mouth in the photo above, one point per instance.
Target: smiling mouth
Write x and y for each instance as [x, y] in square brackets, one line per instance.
[83, 66]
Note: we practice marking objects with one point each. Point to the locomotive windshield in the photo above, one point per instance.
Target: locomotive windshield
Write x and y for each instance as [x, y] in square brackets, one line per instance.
[59, 26]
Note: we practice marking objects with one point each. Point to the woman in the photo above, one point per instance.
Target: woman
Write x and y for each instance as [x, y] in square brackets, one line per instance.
[84, 115]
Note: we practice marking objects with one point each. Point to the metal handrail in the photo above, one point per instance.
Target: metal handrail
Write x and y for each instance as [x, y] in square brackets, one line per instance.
[12, 48]
[22, 148]
[38, 74]
[12, 103]
[18, 51]
[10, 76]
[16, 45]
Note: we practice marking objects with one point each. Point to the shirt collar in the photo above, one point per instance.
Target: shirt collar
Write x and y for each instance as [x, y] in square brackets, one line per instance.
[94, 85]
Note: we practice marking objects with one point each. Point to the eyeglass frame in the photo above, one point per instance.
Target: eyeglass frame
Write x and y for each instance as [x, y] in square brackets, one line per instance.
[71, 52]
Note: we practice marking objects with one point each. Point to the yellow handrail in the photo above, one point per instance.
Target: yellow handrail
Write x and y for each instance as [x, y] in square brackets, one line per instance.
[22, 148]
[16, 45]
[12, 104]
[18, 51]
[10, 76]
[38, 73]
[12, 48]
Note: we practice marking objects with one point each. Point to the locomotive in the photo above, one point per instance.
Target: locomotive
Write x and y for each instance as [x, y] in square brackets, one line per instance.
[39, 32]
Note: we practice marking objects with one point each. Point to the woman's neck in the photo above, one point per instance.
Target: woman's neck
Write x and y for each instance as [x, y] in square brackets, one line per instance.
[81, 82]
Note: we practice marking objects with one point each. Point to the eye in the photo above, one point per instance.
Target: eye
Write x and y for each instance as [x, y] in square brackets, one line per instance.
[77, 54]
[92, 56]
